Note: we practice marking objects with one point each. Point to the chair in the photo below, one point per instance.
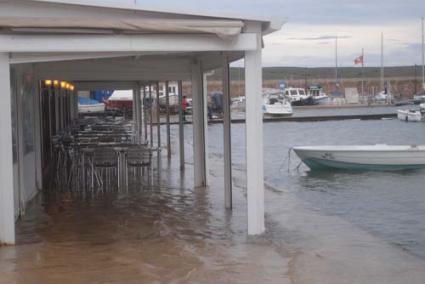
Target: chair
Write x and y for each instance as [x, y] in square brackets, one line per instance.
[139, 158]
[106, 165]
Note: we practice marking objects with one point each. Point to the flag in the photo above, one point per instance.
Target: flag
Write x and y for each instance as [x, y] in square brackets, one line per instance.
[358, 60]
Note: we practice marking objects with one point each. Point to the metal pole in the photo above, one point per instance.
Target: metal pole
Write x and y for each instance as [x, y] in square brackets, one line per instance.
[71, 106]
[64, 95]
[140, 113]
[56, 98]
[181, 126]
[62, 103]
[66, 104]
[133, 107]
[336, 61]
[158, 115]
[145, 114]
[416, 79]
[382, 62]
[167, 105]
[49, 102]
[423, 55]
[150, 115]
[135, 118]
[227, 141]
[363, 72]
[137, 113]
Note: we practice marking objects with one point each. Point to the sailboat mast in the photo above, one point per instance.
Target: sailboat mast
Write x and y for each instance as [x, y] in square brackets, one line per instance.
[382, 62]
[336, 61]
[362, 72]
[423, 55]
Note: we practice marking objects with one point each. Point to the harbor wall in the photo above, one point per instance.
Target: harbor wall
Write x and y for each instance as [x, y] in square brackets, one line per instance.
[401, 88]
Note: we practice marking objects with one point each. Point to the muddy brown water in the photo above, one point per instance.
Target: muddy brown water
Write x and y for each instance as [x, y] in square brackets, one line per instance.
[163, 232]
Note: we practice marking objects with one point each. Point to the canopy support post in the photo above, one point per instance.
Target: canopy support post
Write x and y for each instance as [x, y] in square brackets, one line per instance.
[199, 154]
[254, 137]
[227, 141]
[181, 126]
[167, 105]
[7, 210]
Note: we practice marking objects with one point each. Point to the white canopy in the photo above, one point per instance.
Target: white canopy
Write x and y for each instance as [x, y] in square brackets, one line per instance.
[222, 28]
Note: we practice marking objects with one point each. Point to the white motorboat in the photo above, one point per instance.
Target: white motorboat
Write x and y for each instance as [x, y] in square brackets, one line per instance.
[373, 157]
[319, 97]
[273, 105]
[297, 96]
[238, 102]
[383, 97]
[422, 108]
[419, 98]
[409, 115]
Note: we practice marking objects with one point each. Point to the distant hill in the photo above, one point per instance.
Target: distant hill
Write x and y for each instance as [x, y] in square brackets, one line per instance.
[297, 73]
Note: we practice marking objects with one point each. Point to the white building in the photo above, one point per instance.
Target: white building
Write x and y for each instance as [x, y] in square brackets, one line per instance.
[118, 45]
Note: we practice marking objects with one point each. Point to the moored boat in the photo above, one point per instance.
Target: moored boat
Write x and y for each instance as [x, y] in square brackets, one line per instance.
[319, 97]
[383, 96]
[419, 98]
[86, 105]
[373, 157]
[409, 115]
[274, 106]
[298, 96]
[120, 100]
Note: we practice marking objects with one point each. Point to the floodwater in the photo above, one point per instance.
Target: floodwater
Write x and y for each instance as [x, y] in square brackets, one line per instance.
[335, 227]
[389, 205]
[160, 230]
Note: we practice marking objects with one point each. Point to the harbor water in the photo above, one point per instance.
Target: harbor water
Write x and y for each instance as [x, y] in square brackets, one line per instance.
[329, 227]
[388, 205]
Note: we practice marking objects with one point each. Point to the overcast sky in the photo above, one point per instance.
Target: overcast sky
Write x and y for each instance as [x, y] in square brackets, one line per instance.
[307, 37]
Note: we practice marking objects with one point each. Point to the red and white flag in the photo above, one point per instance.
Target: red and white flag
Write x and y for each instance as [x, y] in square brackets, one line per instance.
[358, 60]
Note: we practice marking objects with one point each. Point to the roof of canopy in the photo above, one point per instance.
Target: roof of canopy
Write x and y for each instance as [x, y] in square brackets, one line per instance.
[123, 17]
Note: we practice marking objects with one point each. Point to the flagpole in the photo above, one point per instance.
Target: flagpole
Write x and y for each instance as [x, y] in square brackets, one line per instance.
[363, 72]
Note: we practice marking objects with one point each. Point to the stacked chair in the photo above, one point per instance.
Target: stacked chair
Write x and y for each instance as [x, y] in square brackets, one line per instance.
[101, 155]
